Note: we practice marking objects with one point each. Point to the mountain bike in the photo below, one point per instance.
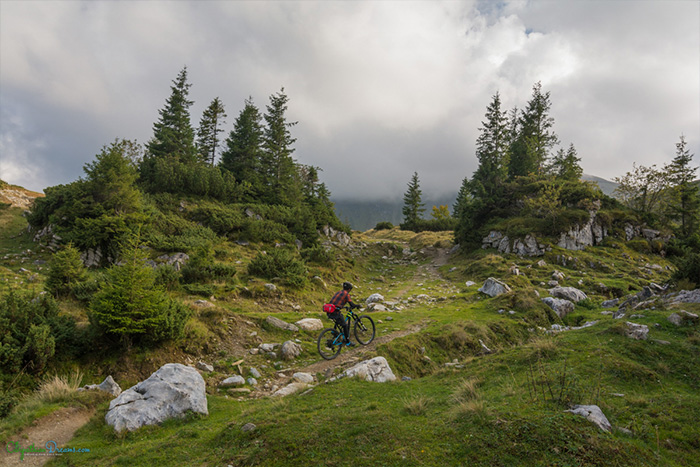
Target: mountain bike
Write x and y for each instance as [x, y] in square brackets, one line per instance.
[332, 340]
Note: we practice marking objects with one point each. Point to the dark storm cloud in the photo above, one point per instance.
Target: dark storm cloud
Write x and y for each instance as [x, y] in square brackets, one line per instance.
[380, 89]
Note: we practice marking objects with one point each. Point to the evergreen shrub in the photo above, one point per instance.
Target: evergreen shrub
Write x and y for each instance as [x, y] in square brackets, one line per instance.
[279, 263]
[318, 255]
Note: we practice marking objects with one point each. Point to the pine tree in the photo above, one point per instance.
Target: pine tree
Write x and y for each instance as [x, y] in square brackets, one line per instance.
[282, 178]
[173, 135]
[685, 199]
[492, 153]
[208, 132]
[243, 153]
[565, 165]
[535, 140]
[413, 206]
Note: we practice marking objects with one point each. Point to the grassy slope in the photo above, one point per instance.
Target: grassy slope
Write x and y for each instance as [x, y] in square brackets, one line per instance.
[484, 412]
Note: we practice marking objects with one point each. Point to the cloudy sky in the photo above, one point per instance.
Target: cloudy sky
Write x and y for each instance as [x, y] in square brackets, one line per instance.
[381, 89]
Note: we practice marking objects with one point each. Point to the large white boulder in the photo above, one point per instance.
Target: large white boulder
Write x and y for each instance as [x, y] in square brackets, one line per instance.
[170, 392]
[376, 369]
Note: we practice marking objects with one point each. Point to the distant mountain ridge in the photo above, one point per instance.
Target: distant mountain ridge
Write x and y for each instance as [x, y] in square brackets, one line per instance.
[364, 215]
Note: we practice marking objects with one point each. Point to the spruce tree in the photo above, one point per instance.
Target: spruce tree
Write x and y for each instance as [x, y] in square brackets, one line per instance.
[282, 179]
[492, 153]
[413, 206]
[685, 199]
[243, 153]
[536, 138]
[173, 135]
[565, 165]
[209, 129]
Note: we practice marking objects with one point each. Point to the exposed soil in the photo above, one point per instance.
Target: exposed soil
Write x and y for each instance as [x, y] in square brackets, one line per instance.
[58, 427]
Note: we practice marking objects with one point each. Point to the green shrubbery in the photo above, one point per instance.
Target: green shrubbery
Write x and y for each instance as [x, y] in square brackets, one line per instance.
[279, 263]
[66, 272]
[202, 268]
[33, 333]
[318, 255]
[384, 225]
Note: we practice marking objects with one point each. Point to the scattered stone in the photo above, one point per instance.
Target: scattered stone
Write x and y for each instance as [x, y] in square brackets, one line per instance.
[470, 283]
[685, 296]
[493, 287]
[278, 323]
[560, 306]
[376, 307]
[254, 372]
[557, 275]
[204, 367]
[172, 391]
[290, 350]
[541, 263]
[568, 293]
[406, 378]
[374, 298]
[310, 324]
[290, 389]
[483, 346]
[682, 317]
[637, 331]
[593, 414]
[376, 369]
[202, 304]
[176, 260]
[108, 385]
[610, 303]
[248, 427]
[252, 381]
[235, 380]
[303, 378]
[514, 270]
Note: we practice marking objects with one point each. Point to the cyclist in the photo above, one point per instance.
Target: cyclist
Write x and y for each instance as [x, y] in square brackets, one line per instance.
[339, 300]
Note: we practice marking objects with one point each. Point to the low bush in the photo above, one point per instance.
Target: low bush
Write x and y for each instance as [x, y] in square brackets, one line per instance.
[639, 245]
[318, 255]
[384, 225]
[279, 263]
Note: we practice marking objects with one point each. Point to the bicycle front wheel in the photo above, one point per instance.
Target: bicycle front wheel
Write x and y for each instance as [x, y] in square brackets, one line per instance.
[364, 330]
[329, 343]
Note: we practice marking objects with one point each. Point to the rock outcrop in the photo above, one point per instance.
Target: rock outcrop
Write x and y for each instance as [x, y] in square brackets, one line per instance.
[108, 385]
[523, 247]
[580, 236]
[279, 324]
[637, 331]
[309, 324]
[172, 391]
[290, 350]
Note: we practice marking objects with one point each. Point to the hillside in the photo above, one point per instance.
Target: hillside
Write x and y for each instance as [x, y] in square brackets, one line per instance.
[364, 215]
[454, 401]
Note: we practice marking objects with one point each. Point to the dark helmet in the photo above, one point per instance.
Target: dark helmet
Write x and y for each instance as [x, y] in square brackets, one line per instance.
[347, 286]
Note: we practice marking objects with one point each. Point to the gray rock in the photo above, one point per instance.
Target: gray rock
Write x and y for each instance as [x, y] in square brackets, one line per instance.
[558, 275]
[310, 324]
[685, 296]
[581, 236]
[248, 427]
[290, 389]
[376, 307]
[637, 331]
[172, 391]
[252, 381]
[593, 414]
[108, 385]
[610, 303]
[376, 369]
[290, 350]
[493, 287]
[202, 304]
[470, 283]
[278, 323]
[254, 373]
[176, 260]
[268, 347]
[560, 306]
[374, 298]
[270, 287]
[568, 293]
[682, 317]
[204, 367]
[303, 378]
[235, 380]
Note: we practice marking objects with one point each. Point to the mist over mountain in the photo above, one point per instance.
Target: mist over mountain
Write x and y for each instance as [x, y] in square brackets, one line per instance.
[364, 215]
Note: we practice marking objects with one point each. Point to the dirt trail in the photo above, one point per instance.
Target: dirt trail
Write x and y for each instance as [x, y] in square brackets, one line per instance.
[58, 427]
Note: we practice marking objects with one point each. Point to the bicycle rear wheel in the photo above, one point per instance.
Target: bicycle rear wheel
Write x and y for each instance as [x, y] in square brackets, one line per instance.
[364, 330]
[329, 343]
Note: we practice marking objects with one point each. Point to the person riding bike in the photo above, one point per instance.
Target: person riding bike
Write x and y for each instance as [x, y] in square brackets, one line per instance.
[339, 300]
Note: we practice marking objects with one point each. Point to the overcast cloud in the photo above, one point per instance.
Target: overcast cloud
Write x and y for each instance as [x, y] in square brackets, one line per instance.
[380, 89]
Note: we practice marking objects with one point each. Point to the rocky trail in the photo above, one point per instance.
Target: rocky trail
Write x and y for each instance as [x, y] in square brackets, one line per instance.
[52, 431]
[60, 426]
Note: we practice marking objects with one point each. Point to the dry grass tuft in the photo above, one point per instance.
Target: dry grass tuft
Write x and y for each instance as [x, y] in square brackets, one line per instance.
[59, 388]
[417, 405]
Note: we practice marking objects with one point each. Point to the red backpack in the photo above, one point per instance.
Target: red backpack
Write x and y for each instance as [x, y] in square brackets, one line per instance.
[329, 308]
